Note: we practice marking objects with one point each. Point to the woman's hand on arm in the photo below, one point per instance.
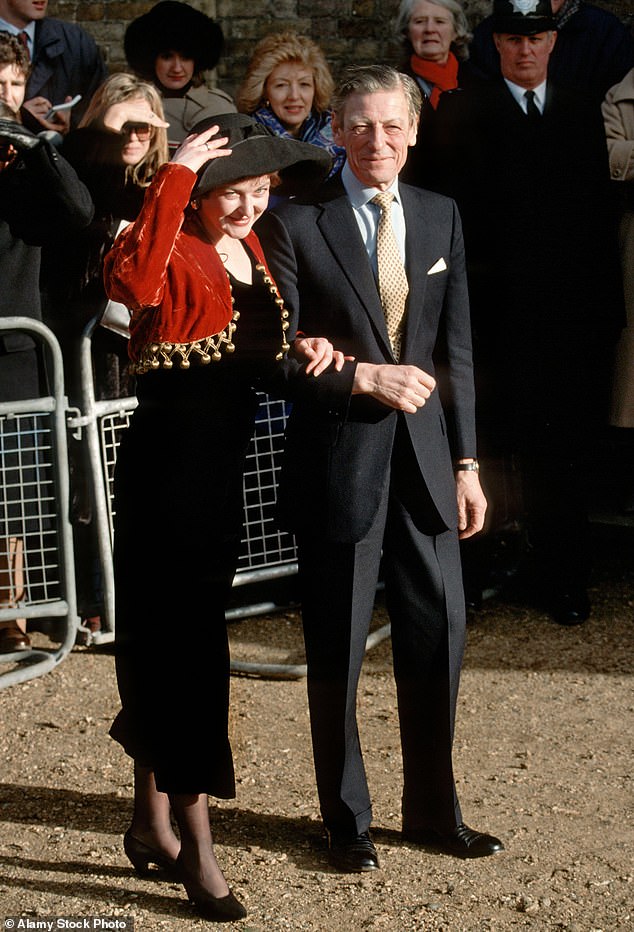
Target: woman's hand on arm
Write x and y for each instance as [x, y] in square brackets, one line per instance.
[320, 353]
[195, 150]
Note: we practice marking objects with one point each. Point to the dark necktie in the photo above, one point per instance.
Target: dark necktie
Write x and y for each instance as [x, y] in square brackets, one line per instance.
[23, 39]
[532, 110]
[393, 286]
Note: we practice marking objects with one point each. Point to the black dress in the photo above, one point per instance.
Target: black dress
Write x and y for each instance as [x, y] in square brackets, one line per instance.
[178, 500]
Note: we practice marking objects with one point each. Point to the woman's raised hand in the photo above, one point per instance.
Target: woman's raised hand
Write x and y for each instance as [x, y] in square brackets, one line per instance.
[135, 110]
[199, 148]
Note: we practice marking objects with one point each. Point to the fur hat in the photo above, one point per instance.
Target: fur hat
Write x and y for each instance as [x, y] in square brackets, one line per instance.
[523, 17]
[258, 151]
[172, 26]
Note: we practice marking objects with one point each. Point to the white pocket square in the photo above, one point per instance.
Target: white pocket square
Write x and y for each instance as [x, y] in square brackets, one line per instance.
[439, 266]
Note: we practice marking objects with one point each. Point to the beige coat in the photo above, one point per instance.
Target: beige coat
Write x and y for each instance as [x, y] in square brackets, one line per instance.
[618, 115]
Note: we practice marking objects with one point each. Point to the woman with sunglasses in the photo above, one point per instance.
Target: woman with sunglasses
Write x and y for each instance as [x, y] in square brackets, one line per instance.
[119, 145]
[208, 329]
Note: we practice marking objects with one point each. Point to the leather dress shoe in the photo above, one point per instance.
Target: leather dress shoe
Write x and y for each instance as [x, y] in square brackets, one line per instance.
[571, 608]
[353, 854]
[12, 638]
[463, 842]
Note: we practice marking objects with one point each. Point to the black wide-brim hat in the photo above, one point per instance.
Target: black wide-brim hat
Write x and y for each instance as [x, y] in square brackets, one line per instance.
[257, 151]
[523, 17]
[172, 26]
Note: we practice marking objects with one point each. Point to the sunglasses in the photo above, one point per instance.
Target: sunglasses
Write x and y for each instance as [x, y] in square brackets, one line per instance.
[142, 131]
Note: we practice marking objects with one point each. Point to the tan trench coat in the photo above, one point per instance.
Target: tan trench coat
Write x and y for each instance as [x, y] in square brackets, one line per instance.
[618, 115]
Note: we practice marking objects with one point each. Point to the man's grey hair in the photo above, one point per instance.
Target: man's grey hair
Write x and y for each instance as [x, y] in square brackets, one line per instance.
[371, 79]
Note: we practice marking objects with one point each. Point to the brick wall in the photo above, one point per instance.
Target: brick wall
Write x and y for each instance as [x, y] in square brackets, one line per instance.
[347, 30]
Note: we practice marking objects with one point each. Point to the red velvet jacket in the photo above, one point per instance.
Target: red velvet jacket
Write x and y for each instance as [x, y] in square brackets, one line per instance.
[173, 282]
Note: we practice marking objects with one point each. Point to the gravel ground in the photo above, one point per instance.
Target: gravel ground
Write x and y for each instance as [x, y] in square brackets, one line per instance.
[543, 758]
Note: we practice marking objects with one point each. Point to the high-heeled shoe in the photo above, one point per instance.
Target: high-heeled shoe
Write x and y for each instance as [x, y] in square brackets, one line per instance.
[215, 908]
[141, 856]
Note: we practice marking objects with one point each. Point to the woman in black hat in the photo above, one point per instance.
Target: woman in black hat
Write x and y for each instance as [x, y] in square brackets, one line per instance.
[172, 46]
[208, 328]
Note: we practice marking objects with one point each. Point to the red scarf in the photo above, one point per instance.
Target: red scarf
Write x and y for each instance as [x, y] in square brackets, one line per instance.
[442, 77]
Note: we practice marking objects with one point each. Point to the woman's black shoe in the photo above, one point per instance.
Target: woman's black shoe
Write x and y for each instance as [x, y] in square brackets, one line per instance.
[215, 908]
[141, 856]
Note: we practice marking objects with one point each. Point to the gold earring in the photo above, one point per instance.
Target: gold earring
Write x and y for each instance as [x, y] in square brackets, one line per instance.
[195, 205]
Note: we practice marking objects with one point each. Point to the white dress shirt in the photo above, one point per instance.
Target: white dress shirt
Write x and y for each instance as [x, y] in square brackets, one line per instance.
[519, 92]
[367, 214]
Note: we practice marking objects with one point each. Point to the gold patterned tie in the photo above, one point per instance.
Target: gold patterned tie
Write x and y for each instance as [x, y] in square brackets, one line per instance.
[393, 287]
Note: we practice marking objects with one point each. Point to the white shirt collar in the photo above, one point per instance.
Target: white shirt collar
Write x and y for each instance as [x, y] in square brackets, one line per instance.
[358, 194]
[29, 29]
[518, 94]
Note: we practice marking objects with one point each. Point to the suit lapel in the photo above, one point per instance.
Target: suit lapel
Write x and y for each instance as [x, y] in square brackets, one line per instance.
[341, 233]
[420, 255]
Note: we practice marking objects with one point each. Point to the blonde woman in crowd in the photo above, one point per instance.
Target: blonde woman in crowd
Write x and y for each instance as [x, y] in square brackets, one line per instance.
[117, 149]
[287, 87]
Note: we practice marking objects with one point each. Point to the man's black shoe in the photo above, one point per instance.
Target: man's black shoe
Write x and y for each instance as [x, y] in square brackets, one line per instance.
[463, 842]
[353, 854]
[571, 608]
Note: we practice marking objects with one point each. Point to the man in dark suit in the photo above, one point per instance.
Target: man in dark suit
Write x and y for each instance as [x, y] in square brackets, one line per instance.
[375, 466]
[526, 161]
[65, 61]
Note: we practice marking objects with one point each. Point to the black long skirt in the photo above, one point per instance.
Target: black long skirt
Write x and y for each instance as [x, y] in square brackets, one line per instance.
[178, 502]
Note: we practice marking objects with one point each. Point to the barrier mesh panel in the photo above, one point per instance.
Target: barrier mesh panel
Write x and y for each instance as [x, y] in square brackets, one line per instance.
[29, 526]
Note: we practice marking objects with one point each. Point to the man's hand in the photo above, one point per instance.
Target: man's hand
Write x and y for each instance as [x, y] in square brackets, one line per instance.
[472, 504]
[320, 353]
[405, 388]
[38, 107]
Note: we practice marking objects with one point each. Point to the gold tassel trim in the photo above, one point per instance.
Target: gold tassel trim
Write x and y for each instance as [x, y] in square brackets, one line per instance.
[155, 356]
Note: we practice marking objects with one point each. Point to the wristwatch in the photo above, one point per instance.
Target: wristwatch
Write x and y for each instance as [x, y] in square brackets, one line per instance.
[471, 466]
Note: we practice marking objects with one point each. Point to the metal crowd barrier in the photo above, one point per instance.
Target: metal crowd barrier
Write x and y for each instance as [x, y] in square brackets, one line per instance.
[34, 514]
[267, 554]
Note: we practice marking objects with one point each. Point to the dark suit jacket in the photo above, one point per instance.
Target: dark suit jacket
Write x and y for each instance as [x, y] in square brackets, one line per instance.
[66, 61]
[339, 446]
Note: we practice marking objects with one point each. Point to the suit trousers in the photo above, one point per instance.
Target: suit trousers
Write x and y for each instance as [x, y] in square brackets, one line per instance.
[425, 602]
